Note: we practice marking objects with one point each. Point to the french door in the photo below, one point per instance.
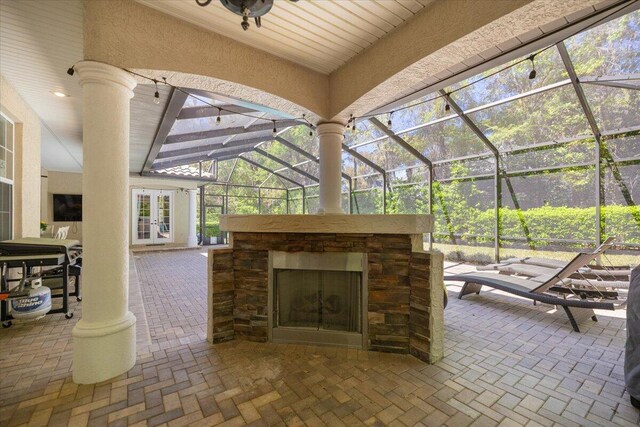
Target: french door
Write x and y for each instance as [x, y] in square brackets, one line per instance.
[151, 216]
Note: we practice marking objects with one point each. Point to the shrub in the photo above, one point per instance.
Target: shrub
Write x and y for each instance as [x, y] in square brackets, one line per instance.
[212, 230]
[549, 223]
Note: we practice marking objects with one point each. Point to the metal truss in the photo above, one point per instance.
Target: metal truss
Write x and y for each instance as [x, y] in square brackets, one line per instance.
[235, 149]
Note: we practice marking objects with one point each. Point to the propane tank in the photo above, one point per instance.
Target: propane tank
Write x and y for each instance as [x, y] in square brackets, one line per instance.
[35, 305]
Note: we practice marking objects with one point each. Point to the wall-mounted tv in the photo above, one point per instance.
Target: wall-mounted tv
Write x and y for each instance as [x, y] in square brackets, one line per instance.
[67, 207]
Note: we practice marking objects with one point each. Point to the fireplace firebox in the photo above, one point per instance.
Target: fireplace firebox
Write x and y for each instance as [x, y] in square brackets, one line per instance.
[317, 298]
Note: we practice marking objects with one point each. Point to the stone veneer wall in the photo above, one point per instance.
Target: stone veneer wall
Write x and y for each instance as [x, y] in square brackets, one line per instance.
[405, 288]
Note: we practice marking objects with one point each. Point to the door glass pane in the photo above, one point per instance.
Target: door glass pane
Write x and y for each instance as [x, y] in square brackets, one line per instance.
[4, 162]
[6, 134]
[5, 211]
[6, 148]
[164, 216]
[143, 209]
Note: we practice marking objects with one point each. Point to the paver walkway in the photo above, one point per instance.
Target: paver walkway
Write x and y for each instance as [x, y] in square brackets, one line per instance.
[507, 363]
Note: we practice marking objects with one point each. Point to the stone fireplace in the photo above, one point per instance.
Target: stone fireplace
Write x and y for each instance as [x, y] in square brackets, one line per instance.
[360, 281]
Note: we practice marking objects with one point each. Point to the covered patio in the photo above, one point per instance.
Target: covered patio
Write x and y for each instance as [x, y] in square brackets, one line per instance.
[264, 214]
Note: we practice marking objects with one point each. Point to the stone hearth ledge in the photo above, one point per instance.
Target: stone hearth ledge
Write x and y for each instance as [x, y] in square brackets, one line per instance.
[328, 223]
[406, 288]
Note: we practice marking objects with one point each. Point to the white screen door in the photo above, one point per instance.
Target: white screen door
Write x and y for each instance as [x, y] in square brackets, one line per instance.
[152, 216]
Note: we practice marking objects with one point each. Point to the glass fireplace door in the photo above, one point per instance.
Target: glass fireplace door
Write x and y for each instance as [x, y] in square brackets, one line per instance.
[319, 300]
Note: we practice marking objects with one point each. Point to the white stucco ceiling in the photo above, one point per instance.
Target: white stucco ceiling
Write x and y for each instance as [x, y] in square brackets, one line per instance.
[321, 35]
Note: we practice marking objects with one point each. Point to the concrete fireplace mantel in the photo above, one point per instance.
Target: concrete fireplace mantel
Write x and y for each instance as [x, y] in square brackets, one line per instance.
[329, 223]
[405, 283]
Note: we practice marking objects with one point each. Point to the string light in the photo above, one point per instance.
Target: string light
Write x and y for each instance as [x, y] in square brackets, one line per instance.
[304, 117]
[156, 100]
[447, 107]
[275, 130]
[532, 74]
[156, 96]
[389, 121]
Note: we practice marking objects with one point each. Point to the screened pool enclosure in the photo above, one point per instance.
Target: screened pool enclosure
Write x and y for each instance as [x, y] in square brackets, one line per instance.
[503, 161]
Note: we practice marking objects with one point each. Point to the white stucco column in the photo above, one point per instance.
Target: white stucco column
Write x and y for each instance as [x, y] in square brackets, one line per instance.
[104, 340]
[330, 136]
[192, 240]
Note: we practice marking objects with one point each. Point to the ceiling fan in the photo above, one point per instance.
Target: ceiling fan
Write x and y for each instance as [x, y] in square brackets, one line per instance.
[245, 8]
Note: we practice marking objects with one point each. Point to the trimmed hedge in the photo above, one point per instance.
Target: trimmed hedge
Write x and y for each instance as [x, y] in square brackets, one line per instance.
[547, 223]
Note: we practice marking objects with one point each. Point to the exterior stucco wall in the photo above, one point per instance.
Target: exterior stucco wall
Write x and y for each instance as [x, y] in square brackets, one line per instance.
[26, 200]
[129, 35]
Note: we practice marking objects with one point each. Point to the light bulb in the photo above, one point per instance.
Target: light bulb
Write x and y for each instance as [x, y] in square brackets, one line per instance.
[533, 73]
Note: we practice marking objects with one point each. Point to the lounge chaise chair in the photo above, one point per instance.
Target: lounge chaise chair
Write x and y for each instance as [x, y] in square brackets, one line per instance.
[576, 306]
[614, 276]
[593, 280]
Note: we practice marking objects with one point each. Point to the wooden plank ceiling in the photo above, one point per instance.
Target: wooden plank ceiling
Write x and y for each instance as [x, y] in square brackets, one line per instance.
[321, 35]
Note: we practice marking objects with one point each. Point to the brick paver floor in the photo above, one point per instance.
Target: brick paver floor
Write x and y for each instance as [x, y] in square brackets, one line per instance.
[507, 362]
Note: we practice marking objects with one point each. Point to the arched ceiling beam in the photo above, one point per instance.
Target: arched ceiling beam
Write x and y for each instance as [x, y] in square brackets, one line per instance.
[450, 41]
[127, 34]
